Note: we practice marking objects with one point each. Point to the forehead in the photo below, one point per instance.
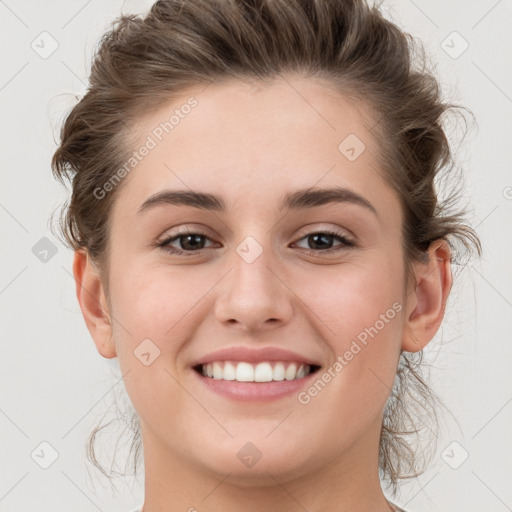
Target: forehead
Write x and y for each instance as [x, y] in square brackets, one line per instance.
[246, 140]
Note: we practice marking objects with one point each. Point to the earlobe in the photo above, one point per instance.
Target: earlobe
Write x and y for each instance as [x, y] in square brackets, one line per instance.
[427, 301]
[91, 297]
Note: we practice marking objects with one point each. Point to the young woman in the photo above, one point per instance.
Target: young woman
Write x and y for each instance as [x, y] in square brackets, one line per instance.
[260, 244]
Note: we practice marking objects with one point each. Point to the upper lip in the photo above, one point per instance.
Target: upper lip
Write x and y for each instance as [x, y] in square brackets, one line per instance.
[249, 355]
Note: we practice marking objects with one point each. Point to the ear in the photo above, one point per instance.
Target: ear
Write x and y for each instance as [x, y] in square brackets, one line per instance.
[426, 302]
[91, 297]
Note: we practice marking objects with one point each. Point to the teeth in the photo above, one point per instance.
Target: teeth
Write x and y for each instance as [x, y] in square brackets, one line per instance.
[261, 372]
[278, 372]
[229, 371]
[291, 372]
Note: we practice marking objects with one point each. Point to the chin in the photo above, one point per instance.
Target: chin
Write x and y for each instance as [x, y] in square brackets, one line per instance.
[249, 466]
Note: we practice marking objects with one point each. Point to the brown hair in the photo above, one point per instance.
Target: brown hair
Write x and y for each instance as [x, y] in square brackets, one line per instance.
[143, 62]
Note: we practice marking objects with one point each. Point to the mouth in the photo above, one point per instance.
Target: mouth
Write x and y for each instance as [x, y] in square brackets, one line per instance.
[264, 371]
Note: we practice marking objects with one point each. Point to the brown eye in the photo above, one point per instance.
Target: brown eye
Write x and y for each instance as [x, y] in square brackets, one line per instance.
[187, 243]
[322, 241]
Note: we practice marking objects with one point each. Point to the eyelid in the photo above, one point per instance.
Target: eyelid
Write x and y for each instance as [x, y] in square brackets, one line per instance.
[187, 230]
[333, 230]
[346, 242]
[164, 241]
[306, 231]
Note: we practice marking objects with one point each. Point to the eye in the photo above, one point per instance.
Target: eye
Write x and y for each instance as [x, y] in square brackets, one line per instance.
[190, 242]
[194, 242]
[323, 240]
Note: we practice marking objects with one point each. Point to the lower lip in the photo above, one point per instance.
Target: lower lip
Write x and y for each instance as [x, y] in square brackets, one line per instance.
[255, 391]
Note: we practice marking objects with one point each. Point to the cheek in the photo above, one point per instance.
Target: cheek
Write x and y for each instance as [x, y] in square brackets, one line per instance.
[156, 302]
[153, 302]
[161, 305]
[361, 309]
[353, 297]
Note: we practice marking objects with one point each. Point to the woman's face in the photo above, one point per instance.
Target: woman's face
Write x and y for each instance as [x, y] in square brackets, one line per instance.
[258, 273]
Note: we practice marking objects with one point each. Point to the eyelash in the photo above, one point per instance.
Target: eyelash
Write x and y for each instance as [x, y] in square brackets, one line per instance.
[346, 244]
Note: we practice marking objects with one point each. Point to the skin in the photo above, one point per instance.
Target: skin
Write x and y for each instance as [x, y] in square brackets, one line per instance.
[251, 144]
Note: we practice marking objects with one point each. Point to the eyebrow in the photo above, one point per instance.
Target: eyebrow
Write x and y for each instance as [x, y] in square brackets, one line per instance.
[300, 199]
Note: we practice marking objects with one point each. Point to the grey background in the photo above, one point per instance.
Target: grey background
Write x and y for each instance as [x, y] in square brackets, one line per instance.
[55, 386]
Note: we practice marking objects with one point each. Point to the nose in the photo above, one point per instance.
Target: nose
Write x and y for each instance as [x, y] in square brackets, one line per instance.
[254, 296]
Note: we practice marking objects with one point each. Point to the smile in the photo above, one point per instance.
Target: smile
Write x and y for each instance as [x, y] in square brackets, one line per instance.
[264, 371]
